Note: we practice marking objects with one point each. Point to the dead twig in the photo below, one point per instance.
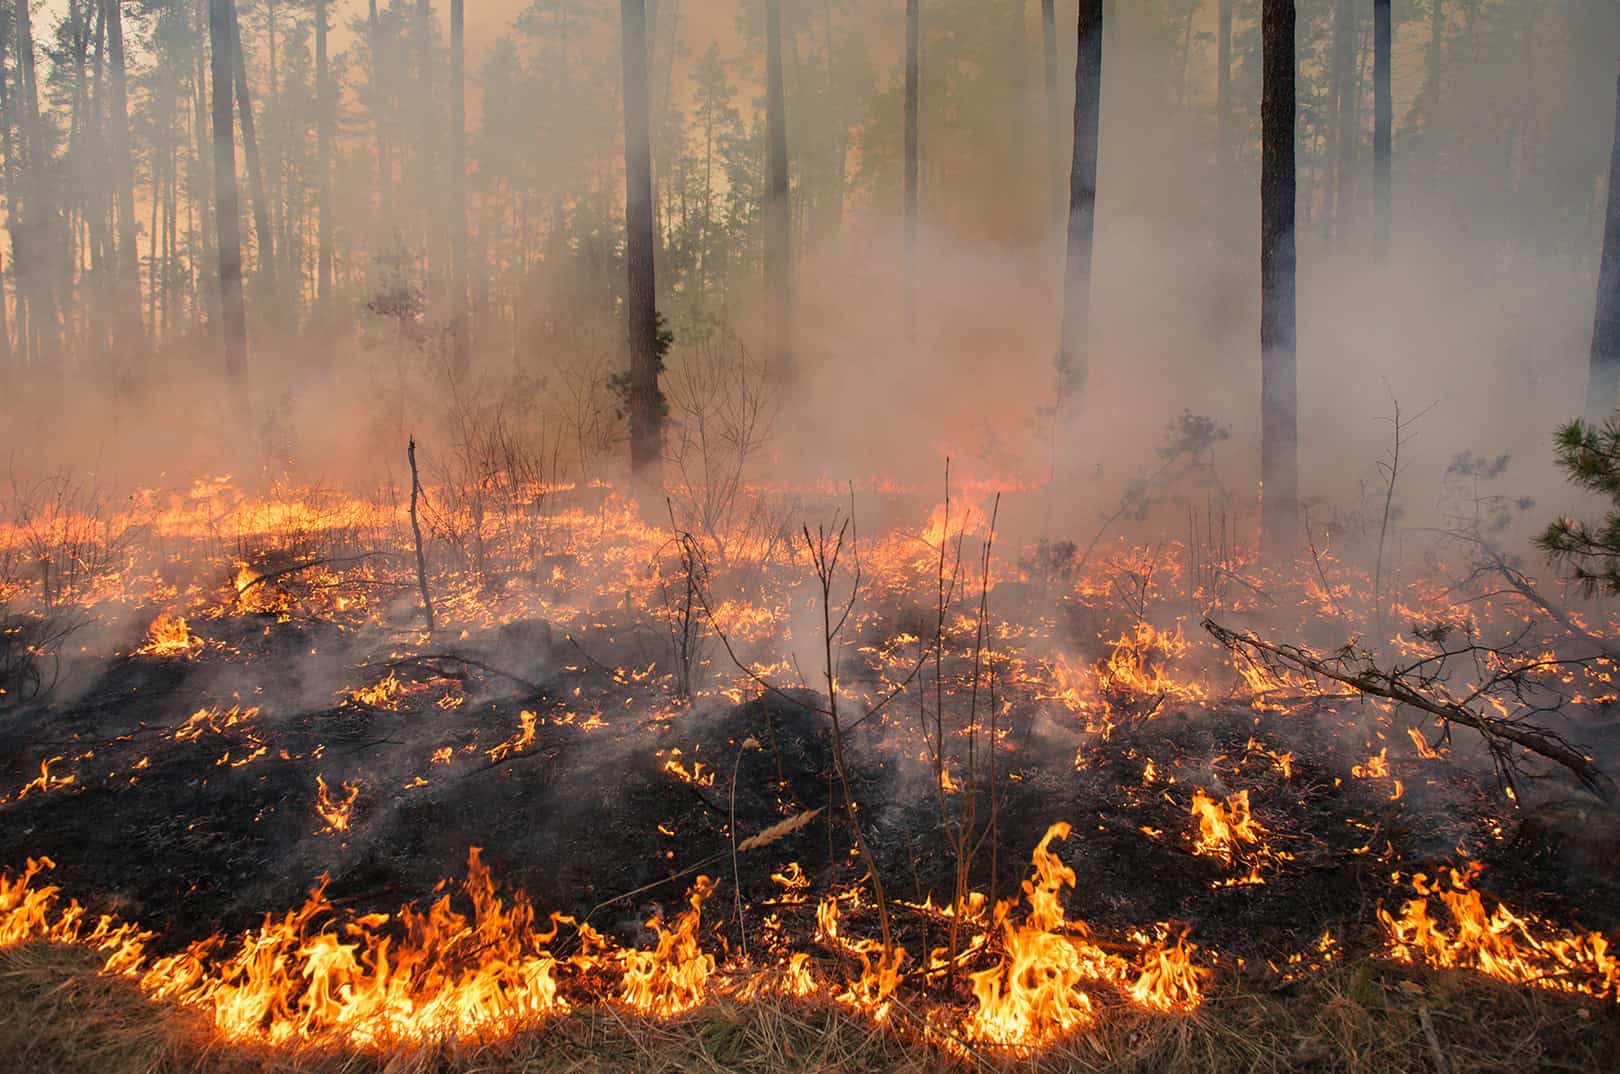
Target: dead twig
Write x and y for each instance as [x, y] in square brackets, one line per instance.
[416, 533]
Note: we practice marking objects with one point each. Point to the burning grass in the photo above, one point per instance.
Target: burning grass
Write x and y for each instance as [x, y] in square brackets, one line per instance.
[1367, 1017]
[741, 867]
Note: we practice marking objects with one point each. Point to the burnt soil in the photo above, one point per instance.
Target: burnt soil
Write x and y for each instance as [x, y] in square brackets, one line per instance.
[173, 833]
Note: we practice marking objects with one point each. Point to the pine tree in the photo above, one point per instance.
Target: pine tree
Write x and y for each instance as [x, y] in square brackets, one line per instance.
[1073, 359]
[1589, 453]
[1279, 420]
[645, 399]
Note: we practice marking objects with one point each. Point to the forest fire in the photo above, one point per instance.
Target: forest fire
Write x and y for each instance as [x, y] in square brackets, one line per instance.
[587, 536]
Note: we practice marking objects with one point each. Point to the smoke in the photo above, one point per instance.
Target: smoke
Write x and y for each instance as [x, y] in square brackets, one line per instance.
[1477, 317]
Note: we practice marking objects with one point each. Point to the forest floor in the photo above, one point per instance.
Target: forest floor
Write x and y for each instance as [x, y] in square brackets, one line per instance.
[205, 778]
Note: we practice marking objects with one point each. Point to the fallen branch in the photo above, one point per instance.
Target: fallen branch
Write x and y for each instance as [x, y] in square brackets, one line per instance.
[1373, 681]
[1527, 589]
[309, 564]
[421, 661]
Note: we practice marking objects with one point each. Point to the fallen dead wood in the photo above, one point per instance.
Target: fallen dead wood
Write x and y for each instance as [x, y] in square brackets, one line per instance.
[425, 662]
[309, 564]
[1527, 589]
[1371, 680]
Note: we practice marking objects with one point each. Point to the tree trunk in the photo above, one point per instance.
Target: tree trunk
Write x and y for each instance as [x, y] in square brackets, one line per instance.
[460, 348]
[1049, 55]
[1383, 125]
[379, 79]
[129, 282]
[1073, 360]
[1279, 419]
[1342, 92]
[1013, 185]
[233, 316]
[646, 404]
[206, 310]
[423, 180]
[913, 80]
[1431, 91]
[39, 255]
[778, 255]
[1604, 382]
[1223, 82]
[323, 159]
[262, 231]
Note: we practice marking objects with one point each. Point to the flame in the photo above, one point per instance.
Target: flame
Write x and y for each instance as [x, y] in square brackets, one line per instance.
[672, 977]
[1033, 992]
[1377, 766]
[1229, 833]
[385, 693]
[335, 811]
[170, 635]
[45, 781]
[518, 742]
[1517, 948]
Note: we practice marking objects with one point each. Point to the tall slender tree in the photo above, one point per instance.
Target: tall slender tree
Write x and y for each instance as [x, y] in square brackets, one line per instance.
[323, 159]
[1343, 95]
[1012, 198]
[1223, 80]
[263, 233]
[128, 276]
[1279, 418]
[233, 314]
[1604, 381]
[38, 256]
[1073, 359]
[645, 400]
[1054, 130]
[1431, 90]
[1383, 124]
[913, 80]
[778, 252]
[460, 346]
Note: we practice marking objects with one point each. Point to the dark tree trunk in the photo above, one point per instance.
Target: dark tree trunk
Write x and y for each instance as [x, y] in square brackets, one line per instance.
[1073, 360]
[204, 305]
[1013, 183]
[38, 258]
[233, 316]
[1383, 124]
[323, 159]
[913, 80]
[1223, 81]
[1342, 94]
[1279, 419]
[1049, 55]
[424, 178]
[1431, 89]
[129, 281]
[262, 231]
[646, 403]
[1604, 382]
[379, 79]
[460, 352]
[778, 253]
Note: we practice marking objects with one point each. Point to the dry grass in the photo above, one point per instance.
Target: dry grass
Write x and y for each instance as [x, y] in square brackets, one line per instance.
[58, 1016]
